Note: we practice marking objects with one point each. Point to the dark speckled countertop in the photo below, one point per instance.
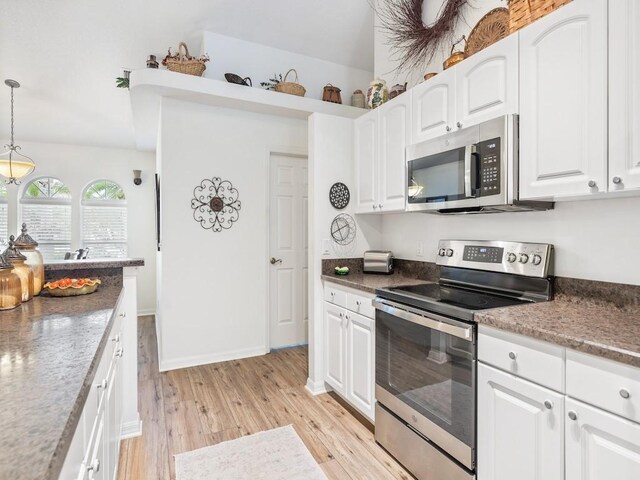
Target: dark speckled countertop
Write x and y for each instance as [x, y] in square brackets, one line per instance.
[93, 263]
[49, 350]
[369, 282]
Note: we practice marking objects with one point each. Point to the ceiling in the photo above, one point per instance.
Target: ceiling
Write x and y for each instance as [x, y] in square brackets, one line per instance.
[67, 53]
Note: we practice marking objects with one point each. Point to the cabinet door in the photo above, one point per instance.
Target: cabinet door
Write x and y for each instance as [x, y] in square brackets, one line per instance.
[563, 102]
[487, 83]
[433, 107]
[520, 428]
[96, 467]
[624, 95]
[361, 363]
[366, 151]
[335, 343]
[394, 131]
[599, 445]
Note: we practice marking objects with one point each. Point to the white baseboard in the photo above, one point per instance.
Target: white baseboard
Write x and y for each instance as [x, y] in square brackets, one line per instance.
[194, 361]
[131, 429]
[316, 388]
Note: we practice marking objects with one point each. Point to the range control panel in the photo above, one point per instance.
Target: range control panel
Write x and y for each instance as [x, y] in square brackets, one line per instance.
[520, 258]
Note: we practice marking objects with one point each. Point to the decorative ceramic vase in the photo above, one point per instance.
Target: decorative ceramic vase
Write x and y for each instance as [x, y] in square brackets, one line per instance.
[377, 93]
[358, 99]
[397, 90]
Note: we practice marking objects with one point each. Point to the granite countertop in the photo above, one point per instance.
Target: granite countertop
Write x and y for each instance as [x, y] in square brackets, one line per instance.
[598, 328]
[49, 350]
[369, 282]
[93, 263]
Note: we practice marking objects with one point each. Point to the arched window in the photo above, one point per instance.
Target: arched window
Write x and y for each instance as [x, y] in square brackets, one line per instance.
[104, 220]
[4, 212]
[46, 209]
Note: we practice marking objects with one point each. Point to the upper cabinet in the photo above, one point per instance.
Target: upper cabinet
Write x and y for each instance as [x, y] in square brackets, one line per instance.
[624, 95]
[563, 102]
[482, 87]
[381, 137]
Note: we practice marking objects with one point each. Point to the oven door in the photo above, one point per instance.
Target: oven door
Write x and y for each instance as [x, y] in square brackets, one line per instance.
[426, 374]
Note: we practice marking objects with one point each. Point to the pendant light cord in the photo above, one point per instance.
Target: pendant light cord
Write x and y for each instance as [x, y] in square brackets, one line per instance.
[12, 116]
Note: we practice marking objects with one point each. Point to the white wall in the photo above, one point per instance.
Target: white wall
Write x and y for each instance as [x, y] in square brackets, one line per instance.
[212, 301]
[385, 62]
[594, 239]
[330, 161]
[260, 62]
[77, 166]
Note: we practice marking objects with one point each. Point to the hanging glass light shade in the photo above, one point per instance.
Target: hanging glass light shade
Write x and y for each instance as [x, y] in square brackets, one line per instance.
[29, 248]
[13, 164]
[15, 258]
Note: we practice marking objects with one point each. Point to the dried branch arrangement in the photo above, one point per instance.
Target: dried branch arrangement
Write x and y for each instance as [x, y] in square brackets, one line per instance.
[411, 41]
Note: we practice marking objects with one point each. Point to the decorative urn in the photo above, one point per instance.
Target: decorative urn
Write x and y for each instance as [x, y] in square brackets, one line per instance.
[377, 93]
[10, 286]
[17, 259]
[29, 248]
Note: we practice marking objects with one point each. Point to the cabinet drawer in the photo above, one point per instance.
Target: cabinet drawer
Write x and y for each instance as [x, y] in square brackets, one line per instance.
[604, 383]
[540, 362]
[361, 304]
[335, 295]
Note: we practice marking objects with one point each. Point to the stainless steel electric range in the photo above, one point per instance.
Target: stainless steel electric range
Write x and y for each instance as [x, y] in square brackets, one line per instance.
[426, 350]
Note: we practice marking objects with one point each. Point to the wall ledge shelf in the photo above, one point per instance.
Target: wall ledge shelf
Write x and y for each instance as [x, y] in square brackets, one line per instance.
[149, 86]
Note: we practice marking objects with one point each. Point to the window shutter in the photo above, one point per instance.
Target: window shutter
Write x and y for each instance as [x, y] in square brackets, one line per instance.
[4, 224]
[50, 226]
[104, 230]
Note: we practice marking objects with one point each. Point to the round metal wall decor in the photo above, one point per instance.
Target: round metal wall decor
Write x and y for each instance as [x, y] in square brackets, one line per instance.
[343, 229]
[215, 204]
[339, 195]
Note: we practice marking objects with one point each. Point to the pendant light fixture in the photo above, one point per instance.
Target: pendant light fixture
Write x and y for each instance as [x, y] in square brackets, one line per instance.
[13, 164]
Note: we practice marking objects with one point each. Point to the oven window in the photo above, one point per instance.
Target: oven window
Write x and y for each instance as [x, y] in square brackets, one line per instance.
[437, 178]
[430, 371]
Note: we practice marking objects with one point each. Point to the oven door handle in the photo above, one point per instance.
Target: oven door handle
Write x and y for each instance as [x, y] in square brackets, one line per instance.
[435, 322]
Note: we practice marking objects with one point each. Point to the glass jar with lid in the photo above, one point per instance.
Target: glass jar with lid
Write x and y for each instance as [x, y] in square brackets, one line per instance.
[10, 286]
[29, 248]
[17, 259]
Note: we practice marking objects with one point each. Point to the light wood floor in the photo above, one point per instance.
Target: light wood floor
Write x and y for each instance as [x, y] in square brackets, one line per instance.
[195, 407]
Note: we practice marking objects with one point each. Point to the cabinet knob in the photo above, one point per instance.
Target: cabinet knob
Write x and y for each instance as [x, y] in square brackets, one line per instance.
[103, 384]
[341, 314]
[448, 128]
[592, 184]
[375, 206]
[572, 415]
[616, 180]
[512, 355]
[459, 125]
[624, 393]
[358, 302]
[333, 294]
[123, 314]
[95, 465]
[380, 205]
[548, 404]
[119, 352]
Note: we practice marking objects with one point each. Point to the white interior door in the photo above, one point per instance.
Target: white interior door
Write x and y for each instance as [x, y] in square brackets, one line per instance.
[288, 245]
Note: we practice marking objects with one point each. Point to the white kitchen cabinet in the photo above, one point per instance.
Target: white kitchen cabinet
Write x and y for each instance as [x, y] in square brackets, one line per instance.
[433, 106]
[599, 445]
[380, 140]
[624, 95]
[360, 358]
[335, 344]
[520, 428]
[487, 83]
[563, 103]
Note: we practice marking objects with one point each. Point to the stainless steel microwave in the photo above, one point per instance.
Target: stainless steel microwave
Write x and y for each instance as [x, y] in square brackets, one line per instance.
[473, 170]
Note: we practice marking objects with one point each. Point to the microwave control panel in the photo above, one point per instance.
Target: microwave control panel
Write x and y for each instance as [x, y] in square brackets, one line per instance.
[489, 169]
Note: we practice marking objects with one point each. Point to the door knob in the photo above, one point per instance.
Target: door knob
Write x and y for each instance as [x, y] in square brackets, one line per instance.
[275, 260]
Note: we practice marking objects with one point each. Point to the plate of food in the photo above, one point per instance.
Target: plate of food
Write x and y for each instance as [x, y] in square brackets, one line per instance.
[71, 287]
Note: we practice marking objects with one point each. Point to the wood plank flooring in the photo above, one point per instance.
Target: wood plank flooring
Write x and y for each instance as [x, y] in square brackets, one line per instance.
[195, 407]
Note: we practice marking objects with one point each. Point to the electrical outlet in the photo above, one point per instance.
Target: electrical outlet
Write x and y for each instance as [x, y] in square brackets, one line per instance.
[420, 249]
[326, 246]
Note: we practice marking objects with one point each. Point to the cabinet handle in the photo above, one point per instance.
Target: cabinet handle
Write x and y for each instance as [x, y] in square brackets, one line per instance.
[123, 314]
[375, 206]
[103, 384]
[459, 125]
[592, 184]
[448, 128]
[358, 303]
[512, 355]
[380, 206]
[548, 404]
[341, 315]
[617, 180]
[624, 393]
[119, 352]
[573, 415]
[333, 294]
[116, 338]
[95, 465]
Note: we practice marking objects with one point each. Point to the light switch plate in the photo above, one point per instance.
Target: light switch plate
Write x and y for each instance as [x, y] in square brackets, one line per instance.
[326, 246]
[420, 249]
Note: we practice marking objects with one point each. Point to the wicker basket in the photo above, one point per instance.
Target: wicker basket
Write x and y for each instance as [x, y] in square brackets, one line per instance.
[494, 26]
[185, 63]
[523, 12]
[292, 88]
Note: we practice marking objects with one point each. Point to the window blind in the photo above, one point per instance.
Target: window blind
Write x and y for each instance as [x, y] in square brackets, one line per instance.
[104, 230]
[50, 226]
[4, 224]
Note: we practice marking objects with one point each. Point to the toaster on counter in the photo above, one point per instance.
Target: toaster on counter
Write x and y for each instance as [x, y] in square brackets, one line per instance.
[378, 261]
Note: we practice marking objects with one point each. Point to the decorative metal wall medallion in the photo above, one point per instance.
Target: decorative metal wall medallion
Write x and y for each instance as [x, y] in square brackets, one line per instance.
[339, 195]
[215, 204]
[343, 229]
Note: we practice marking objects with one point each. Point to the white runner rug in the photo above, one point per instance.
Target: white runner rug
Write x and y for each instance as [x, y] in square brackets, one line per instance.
[277, 454]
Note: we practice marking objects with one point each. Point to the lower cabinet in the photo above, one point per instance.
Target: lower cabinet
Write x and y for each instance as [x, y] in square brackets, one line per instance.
[349, 353]
[599, 445]
[520, 428]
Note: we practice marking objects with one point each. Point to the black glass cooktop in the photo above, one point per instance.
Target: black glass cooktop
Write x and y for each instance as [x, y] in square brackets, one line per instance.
[453, 301]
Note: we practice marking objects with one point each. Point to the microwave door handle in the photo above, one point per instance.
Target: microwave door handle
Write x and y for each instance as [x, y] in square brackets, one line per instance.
[470, 170]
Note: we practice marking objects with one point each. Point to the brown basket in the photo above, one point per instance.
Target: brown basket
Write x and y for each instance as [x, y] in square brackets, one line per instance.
[523, 12]
[331, 94]
[184, 63]
[494, 26]
[292, 88]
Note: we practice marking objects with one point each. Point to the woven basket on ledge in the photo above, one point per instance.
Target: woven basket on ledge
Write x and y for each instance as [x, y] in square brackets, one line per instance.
[523, 12]
[292, 88]
[185, 63]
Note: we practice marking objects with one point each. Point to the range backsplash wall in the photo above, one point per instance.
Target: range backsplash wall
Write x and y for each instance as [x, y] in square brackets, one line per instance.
[594, 239]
